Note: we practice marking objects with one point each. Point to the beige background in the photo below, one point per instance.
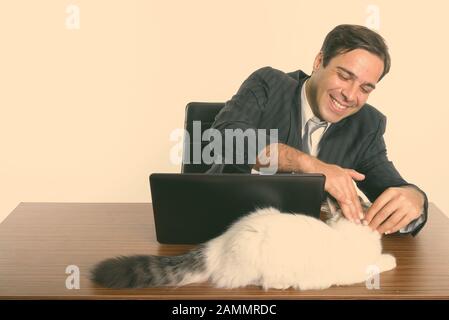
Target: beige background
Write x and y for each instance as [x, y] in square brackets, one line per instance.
[86, 114]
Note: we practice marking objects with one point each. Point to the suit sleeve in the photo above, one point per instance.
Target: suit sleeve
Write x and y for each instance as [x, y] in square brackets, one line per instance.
[381, 174]
[239, 118]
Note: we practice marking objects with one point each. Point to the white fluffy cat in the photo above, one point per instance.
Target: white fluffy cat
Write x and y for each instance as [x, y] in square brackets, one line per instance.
[265, 248]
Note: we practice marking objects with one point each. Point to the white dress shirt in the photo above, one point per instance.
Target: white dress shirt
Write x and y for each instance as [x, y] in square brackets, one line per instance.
[306, 115]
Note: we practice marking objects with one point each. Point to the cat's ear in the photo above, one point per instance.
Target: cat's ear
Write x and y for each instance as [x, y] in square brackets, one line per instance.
[365, 204]
[331, 209]
[335, 207]
[325, 207]
[330, 206]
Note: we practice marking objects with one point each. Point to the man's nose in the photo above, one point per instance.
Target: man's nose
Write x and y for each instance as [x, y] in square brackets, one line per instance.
[350, 93]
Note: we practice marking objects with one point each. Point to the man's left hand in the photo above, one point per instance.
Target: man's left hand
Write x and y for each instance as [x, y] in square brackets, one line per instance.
[394, 209]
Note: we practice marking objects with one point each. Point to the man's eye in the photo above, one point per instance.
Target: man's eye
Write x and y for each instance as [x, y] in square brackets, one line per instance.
[343, 77]
[366, 91]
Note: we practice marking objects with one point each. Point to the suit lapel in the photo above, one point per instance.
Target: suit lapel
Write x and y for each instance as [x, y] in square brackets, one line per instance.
[295, 133]
[328, 139]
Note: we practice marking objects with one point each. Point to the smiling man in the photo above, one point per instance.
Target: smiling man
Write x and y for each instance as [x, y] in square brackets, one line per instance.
[325, 126]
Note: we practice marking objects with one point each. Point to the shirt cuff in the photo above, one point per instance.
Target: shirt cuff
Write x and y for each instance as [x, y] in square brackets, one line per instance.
[414, 224]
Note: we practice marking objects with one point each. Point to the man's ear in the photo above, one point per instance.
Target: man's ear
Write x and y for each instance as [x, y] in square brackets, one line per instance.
[318, 61]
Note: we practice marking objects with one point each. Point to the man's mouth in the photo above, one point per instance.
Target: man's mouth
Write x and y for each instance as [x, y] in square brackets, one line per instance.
[337, 106]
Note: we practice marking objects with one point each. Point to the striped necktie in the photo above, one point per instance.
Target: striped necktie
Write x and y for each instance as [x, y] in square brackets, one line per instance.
[313, 130]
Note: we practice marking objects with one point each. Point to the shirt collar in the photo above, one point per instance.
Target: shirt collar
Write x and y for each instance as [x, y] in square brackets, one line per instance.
[306, 110]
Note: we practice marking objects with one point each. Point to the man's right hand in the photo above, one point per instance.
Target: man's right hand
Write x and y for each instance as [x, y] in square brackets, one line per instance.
[340, 185]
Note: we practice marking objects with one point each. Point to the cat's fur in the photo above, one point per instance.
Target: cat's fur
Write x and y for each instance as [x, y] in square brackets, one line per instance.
[265, 248]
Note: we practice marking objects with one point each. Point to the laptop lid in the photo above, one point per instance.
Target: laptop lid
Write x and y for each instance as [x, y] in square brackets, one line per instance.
[194, 208]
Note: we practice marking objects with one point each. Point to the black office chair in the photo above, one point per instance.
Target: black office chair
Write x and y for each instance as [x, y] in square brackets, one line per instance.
[204, 112]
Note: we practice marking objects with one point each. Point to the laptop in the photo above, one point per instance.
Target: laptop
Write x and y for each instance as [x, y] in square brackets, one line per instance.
[192, 208]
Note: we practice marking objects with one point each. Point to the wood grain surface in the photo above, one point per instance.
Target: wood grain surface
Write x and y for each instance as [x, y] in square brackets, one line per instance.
[39, 240]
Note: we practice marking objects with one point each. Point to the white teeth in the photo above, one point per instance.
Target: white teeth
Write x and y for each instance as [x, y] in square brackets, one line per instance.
[338, 105]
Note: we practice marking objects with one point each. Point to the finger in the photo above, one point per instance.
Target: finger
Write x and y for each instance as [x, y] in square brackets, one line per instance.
[383, 214]
[356, 202]
[351, 195]
[338, 195]
[346, 210]
[356, 175]
[360, 209]
[357, 208]
[349, 204]
[359, 202]
[378, 204]
[401, 224]
[340, 198]
[392, 221]
[353, 206]
[344, 202]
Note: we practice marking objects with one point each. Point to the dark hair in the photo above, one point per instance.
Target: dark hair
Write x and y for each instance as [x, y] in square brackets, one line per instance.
[347, 37]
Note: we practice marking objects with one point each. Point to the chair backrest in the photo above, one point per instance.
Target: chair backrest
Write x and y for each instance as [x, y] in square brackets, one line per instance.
[204, 112]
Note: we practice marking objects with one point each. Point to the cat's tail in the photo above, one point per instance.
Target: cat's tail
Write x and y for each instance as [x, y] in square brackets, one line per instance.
[142, 271]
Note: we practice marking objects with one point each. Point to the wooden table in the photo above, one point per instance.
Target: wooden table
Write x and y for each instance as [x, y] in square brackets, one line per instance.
[39, 240]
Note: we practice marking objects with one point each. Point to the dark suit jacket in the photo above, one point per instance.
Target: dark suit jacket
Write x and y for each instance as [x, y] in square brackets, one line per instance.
[270, 98]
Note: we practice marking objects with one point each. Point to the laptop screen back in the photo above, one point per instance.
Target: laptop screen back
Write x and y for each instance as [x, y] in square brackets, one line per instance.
[194, 208]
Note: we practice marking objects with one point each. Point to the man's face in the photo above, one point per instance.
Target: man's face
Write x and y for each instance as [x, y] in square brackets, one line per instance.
[342, 87]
